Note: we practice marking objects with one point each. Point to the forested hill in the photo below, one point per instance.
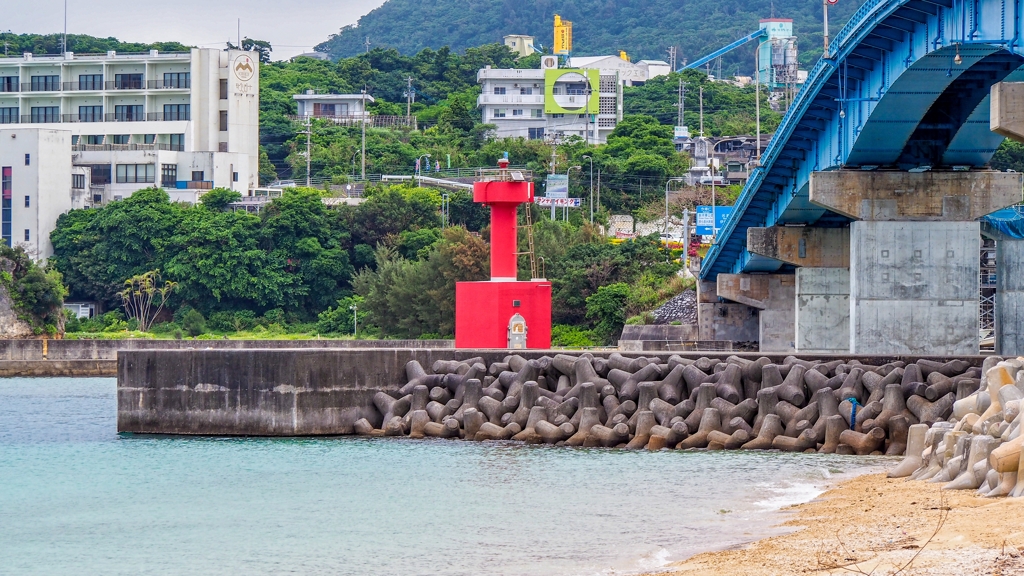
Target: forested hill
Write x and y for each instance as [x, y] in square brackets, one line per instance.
[643, 28]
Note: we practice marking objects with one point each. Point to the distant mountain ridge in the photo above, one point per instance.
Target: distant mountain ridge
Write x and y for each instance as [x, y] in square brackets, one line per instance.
[643, 28]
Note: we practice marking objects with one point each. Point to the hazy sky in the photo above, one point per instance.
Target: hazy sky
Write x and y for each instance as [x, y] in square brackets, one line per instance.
[291, 27]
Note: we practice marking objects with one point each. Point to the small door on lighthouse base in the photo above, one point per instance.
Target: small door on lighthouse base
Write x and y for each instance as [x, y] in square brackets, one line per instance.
[517, 332]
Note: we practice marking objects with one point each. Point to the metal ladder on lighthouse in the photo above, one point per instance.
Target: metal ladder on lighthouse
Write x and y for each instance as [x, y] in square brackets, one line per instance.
[529, 242]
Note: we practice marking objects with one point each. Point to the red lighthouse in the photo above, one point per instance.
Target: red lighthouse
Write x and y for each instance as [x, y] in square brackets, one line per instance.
[503, 312]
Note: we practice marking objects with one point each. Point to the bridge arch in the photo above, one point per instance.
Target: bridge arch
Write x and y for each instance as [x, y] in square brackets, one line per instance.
[906, 85]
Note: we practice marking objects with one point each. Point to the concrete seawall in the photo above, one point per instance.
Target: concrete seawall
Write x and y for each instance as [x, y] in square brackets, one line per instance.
[99, 357]
[291, 392]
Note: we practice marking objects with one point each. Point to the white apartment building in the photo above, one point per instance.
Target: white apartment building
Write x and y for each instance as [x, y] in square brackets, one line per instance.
[183, 121]
[550, 103]
[335, 106]
[37, 183]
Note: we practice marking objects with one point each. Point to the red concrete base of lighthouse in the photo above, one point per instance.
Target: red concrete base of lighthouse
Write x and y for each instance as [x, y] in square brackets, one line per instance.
[483, 310]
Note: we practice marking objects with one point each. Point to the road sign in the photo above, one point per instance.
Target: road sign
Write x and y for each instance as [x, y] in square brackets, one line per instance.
[707, 224]
[558, 186]
[558, 202]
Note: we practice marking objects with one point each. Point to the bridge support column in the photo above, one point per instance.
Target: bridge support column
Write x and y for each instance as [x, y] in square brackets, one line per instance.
[823, 310]
[802, 245]
[1009, 309]
[914, 254]
[774, 295]
[723, 321]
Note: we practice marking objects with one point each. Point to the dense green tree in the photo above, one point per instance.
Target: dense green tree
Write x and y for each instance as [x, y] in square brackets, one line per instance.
[1009, 156]
[643, 28]
[37, 293]
[16, 44]
[607, 307]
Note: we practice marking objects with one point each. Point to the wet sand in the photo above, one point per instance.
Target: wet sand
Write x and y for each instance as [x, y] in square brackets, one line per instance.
[875, 525]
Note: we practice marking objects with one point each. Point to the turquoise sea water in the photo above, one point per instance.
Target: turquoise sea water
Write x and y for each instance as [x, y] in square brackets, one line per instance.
[77, 498]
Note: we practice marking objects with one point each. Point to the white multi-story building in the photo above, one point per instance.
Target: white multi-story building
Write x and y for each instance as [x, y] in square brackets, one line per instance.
[184, 121]
[630, 73]
[37, 183]
[550, 103]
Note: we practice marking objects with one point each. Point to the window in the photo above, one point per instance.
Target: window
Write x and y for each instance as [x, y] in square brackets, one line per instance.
[128, 81]
[26, 234]
[500, 90]
[77, 181]
[90, 113]
[97, 198]
[90, 81]
[178, 142]
[5, 217]
[607, 104]
[234, 176]
[41, 114]
[28, 201]
[177, 111]
[536, 133]
[517, 112]
[8, 83]
[136, 173]
[178, 80]
[128, 113]
[526, 91]
[94, 140]
[45, 83]
[499, 113]
[28, 159]
[122, 139]
[223, 120]
[100, 174]
[555, 90]
[168, 175]
[558, 115]
[197, 176]
[149, 138]
[223, 89]
[9, 115]
[536, 113]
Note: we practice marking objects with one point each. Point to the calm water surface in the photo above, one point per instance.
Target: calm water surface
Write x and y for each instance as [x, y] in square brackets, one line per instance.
[77, 498]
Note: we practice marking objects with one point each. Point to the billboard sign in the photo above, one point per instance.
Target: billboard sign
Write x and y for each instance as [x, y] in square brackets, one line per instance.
[572, 91]
[557, 186]
[708, 225]
[558, 202]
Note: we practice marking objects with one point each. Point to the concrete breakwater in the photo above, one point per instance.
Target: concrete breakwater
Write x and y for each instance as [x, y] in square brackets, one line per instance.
[843, 405]
[979, 446]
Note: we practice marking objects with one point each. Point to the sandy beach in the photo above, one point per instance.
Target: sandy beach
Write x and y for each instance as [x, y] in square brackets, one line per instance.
[875, 525]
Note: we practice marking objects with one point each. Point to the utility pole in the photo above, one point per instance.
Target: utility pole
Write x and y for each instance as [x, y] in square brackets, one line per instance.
[408, 100]
[64, 49]
[682, 103]
[701, 111]
[363, 123]
[672, 58]
[308, 133]
[824, 7]
[367, 44]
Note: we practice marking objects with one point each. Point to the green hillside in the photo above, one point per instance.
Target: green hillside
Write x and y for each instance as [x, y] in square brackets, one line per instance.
[643, 28]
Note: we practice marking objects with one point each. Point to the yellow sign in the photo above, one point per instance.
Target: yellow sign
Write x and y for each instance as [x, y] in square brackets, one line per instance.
[563, 36]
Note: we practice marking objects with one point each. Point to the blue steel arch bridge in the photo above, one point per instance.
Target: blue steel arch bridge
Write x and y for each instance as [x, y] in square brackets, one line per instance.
[906, 88]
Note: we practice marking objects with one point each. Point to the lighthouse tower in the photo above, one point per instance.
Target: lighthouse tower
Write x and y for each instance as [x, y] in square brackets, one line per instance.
[503, 312]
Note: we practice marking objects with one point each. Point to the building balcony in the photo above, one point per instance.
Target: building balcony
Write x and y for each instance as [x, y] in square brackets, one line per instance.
[41, 87]
[524, 74]
[496, 99]
[72, 118]
[126, 147]
[9, 87]
[125, 117]
[125, 84]
[40, 118]
[193, 185]
[80, 85]
[169, 84]
[167, 117]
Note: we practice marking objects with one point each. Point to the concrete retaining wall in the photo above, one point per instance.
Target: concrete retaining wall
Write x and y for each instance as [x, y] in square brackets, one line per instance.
[289, 392]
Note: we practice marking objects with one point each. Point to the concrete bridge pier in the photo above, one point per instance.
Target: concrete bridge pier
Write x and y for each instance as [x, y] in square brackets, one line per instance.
[1009, 308]
[822, 284]
[774, 296]
[726, 321]
[914, 250]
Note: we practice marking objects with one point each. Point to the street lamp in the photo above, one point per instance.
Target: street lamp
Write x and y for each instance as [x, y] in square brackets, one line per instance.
[355, 320]
[667, 183]
[418, 167]
[591, 158]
